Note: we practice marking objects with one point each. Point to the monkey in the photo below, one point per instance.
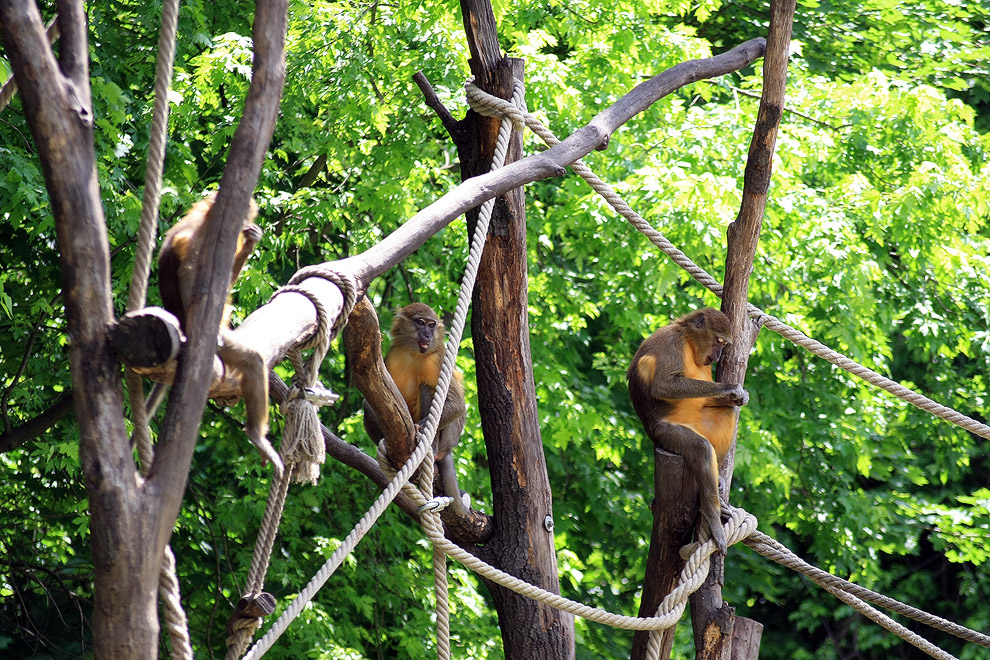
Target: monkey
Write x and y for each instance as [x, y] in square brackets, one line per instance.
[176, 263]
[414, 360]
[683, 411]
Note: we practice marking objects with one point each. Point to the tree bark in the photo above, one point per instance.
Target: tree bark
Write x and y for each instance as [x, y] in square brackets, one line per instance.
[675, 514]
[131, 520]
[523, 543]
[711, 617]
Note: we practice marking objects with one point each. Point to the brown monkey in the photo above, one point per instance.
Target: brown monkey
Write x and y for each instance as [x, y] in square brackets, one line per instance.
[176, 262]
[683, 411]
[414, 362]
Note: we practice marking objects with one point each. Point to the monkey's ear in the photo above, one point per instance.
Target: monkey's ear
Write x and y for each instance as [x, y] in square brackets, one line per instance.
[699, 321]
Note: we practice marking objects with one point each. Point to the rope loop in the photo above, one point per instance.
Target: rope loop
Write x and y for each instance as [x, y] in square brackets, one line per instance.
[435, 504]
[488, 105]
[345, 282]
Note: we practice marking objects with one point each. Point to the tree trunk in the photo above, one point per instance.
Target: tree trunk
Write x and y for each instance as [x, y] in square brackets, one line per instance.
[131, 519]
[523, 544]
[675, 515]
[711, 617]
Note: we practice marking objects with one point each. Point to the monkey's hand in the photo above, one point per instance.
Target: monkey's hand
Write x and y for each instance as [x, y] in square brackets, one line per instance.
[734, 397]
[251, 234]
[268, 453]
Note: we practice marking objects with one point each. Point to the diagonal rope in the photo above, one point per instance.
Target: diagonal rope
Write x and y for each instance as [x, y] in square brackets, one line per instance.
[302, 448]
[345, 548]
[168, 585]
[489, 105]
[740, 526]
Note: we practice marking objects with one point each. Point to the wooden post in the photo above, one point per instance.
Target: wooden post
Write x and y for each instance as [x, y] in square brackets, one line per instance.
[711, 617]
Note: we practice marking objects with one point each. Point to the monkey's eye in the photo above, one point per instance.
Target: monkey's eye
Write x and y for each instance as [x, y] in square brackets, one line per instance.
[720, 340]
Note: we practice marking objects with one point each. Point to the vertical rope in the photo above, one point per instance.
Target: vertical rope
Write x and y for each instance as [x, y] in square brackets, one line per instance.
[302, 447]
[478, 241]
[348, 545]
[168, 585]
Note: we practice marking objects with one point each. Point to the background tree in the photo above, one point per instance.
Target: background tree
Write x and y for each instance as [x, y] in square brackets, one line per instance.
[875, 241]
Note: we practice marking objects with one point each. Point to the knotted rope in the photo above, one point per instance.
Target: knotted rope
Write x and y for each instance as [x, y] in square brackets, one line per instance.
[302, 449]
[854, 595]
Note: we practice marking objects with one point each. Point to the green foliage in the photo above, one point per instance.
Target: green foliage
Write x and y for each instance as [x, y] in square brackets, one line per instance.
[875, 241]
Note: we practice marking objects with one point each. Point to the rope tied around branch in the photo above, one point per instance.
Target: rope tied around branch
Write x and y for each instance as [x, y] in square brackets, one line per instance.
[848, 592]
[302, 449]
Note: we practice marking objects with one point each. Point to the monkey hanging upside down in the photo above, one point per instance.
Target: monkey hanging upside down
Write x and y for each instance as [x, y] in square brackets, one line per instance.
[176, 262]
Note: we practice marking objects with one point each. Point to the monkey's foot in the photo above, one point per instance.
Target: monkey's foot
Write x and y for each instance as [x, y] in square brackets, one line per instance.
[269, 455]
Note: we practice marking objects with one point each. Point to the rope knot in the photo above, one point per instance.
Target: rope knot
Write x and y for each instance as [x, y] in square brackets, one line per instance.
[247, 617]
[435, 505]
[303, 450]
[487, 105]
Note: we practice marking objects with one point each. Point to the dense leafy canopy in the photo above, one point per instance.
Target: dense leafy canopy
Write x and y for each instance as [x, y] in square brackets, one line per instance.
[876, 241]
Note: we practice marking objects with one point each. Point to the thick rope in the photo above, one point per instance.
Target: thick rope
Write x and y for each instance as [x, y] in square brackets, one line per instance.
[175, 616]
[348, 545]
[302, 449]
[149, 213]
[243, 630]
[771, 549]
[489, 105]
[478, 240]
[774, 550]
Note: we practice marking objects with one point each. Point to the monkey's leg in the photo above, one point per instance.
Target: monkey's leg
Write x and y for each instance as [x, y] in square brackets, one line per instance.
[448, 476]
[699, 456]
[254, 389]
[446, 441]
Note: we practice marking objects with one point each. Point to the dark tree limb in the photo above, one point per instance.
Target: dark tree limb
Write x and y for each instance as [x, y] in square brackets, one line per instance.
[712, 619]
[433, 102]
[363, 342]
[36, 426]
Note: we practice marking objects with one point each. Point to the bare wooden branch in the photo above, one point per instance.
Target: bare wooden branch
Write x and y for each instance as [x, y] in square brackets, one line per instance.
[146, 338]
[363, 342]
[472, 192]
[31, 429]
[433, 102]
[710, 616]
[482, 38]
[294, 323]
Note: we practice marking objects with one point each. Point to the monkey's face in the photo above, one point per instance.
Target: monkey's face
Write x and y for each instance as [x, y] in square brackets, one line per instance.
[425, 329]
[715, 352]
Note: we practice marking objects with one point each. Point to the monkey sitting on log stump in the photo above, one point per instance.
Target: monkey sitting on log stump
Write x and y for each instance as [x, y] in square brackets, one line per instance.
[682, 409]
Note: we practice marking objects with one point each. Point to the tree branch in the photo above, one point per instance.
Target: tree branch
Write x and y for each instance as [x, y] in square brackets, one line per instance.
[711, 618]
[294, 315]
